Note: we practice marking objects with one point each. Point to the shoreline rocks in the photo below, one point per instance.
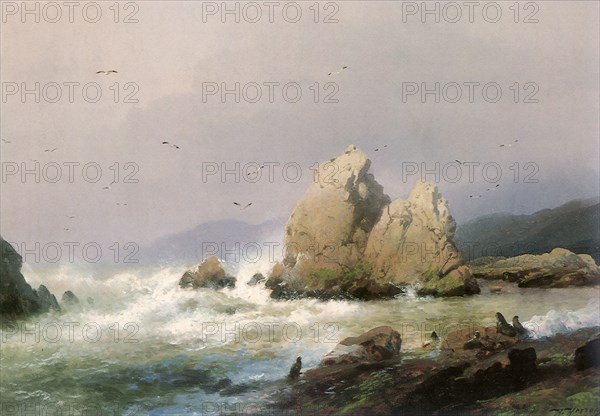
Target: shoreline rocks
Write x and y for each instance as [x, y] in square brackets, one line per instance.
[534, 374]
[556, 269]
[209, 274]
[17, 298]
[381, 343]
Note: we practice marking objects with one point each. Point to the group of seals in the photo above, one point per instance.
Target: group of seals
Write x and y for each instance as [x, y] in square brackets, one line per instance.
[504, 328]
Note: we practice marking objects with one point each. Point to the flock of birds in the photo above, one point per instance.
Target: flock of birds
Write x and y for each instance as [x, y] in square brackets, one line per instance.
[244, 206]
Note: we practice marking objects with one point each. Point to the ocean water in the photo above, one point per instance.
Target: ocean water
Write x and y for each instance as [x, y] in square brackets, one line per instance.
[145, 346]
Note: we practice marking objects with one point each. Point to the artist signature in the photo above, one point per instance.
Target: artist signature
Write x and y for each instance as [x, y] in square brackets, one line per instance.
[568, 411]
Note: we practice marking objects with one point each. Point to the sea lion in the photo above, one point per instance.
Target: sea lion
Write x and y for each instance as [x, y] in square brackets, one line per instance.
[521, 330]
[474, 342]
[295, 370]
[503, 327]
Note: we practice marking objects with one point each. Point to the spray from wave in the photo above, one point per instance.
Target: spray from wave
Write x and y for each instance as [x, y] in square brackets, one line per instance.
[555, 322]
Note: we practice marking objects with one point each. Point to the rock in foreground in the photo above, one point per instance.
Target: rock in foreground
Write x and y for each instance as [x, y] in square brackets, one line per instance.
[588, 355]
[210, 274]
[381, 343]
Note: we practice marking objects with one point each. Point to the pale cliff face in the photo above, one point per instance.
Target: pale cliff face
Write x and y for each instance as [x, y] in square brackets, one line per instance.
[344, 218]
[413, 238]
[331, 221]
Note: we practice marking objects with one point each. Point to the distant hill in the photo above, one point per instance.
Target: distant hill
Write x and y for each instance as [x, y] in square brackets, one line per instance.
[574, 226]
[190, 247]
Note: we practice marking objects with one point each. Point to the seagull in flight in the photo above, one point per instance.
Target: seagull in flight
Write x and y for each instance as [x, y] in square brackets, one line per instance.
[509, 144]
[122, 204]
[240, 205]
[50, 150]
[337, 72]
[111, 71]
[256, 171]
[171, 144]
[70, 216]
[6, 141]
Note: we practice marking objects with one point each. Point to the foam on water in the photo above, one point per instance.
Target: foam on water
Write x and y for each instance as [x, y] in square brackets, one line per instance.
[555, 322]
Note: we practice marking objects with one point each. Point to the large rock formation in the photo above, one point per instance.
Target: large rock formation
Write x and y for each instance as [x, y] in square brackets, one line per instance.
[210, 274]
[345, 238]
[17, 298]
[412, 244]
[559, 268]
[334, 217]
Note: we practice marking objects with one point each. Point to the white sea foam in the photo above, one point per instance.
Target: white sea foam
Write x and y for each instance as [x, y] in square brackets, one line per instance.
[555, 322]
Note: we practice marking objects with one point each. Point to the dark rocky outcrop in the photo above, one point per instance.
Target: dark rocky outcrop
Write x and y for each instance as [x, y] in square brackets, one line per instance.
[69, 298]
[17, 298]
[588, 355]
[210, 274]
[256, 278]
[48, 300]
[505, 374]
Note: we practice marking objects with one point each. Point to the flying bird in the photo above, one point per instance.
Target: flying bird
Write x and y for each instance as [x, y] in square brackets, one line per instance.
[337, 72]
[106, 187]
[111, 71]
[6, 141]
[239, 205]
[70, 216]
[171, 144]
[256, 171]
[66, 229]
[50, 150]
[122, 204]
[458, 161]
[509, 144]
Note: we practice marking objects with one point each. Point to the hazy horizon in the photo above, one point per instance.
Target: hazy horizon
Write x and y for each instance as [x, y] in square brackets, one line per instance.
[170, 55]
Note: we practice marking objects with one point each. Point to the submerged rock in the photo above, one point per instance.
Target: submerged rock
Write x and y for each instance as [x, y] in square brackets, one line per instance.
[69, 298]
[257, 278]
[210, 274]
[378, 344]
[557, 269]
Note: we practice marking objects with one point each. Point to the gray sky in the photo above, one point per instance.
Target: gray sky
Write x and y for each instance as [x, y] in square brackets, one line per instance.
[171, 52]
